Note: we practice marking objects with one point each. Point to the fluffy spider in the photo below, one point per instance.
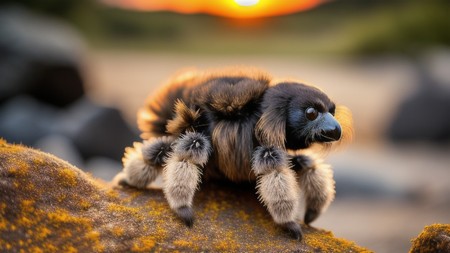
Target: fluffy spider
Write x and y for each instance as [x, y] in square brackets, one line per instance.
[240, 125]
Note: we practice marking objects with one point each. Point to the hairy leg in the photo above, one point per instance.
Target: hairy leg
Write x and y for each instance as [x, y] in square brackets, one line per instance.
[277, 187]
[317, 184]
[182, 173]
[143, 162]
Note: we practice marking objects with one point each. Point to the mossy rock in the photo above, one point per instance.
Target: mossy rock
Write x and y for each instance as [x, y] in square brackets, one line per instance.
[433, 239]
[48, 205]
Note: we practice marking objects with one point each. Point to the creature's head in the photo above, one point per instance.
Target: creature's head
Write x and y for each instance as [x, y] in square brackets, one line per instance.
[295, 116]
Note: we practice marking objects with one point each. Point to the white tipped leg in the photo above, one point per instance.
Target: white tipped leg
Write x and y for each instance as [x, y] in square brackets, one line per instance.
[181, 180]
[182, 173]
[317, 183]
[142, 163]
[277, 187]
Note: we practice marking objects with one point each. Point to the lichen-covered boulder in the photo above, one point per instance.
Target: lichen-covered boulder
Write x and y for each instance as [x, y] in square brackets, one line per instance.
[47, 205]
[433, 239]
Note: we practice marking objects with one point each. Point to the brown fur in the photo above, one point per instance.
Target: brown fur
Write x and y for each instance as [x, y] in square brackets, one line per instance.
[271, 127]
[187, 97]
[344, 116]
[160, 117]
[184, 120]
[249, 122]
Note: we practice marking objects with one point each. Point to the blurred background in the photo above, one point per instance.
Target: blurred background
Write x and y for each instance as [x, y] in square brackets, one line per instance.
[73, 74]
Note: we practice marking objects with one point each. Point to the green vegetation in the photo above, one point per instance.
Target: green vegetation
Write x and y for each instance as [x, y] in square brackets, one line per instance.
[338, 27]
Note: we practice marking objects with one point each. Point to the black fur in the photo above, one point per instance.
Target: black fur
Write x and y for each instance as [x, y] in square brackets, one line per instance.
[310, 215]
[186, 214]
[301, 162]
[266, 159]
[156, 152]
[294, 230]
[296, 98]
[239, 113]
[194, 147]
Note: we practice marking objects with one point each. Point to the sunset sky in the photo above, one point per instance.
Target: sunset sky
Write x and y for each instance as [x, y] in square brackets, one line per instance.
[225, 8]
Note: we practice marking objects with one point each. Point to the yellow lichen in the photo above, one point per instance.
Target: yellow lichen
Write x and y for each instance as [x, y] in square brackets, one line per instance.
[143, 244]
[70, 249]
[2, 208]
[183, 243]
[42, 233]
[49, 247]
[112, 194]
[117, 231]
[227, 243]
[113, 207]
[242, 215]
[76, 213]
[60, 216]
[325, 242]
[68, 177]
[19, 171]
[84, 204]
[434, 238]
[3, 223]
[36, 249]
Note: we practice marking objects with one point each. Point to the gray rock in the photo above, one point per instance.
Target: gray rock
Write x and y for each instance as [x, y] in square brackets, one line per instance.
[424, 115]
[62, 147]
[26, 120]
[103, 168]
[358, 183]
[39, 57]
[97, 130]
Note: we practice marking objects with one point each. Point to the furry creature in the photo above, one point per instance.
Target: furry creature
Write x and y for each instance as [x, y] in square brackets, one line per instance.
[239, 125]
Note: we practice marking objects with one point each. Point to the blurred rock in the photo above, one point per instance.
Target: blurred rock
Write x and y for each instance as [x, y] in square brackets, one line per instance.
[26, 120]
[48, 205]
[62, 147]
[84, 129]
[39, 57]
[424, 115]
[97, 130]
[433, 239]
[357, 182]
[103, 168]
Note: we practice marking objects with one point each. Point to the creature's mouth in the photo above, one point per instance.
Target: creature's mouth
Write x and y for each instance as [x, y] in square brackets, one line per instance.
[329, 135]
[330, 131]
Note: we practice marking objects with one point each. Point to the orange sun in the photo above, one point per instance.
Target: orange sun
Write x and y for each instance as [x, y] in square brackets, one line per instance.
[224, 8]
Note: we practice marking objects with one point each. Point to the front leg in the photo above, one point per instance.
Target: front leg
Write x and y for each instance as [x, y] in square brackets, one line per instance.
[317, 184]
[182, 173]
[143, 162]
[277, 187]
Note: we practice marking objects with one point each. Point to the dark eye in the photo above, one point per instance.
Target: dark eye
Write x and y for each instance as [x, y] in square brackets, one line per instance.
[333, 110]
[311, 113]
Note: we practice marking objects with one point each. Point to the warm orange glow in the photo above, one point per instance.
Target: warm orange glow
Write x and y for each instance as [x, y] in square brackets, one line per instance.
[225, 8]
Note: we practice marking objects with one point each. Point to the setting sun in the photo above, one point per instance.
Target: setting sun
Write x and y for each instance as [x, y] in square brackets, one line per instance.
[246, 2]
[224, 8]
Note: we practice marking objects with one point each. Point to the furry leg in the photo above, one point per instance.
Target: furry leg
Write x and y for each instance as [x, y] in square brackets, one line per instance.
[182, 173]
[317, 183]
[142, 163]
[277, 187]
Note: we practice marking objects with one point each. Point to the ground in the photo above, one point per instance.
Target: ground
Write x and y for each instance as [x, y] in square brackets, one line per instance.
[48, 205]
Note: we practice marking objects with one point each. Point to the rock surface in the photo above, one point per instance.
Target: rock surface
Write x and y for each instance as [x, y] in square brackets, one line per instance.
[47, 205]
[433, 239]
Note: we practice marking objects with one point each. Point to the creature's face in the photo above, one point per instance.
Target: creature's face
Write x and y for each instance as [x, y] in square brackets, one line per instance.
[295, 115]
[310, 118]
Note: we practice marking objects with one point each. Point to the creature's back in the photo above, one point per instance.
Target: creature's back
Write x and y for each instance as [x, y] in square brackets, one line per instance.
[229, 104]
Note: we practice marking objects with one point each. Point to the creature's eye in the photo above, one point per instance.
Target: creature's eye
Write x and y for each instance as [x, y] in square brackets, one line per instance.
[311, 113]
[333, 110]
